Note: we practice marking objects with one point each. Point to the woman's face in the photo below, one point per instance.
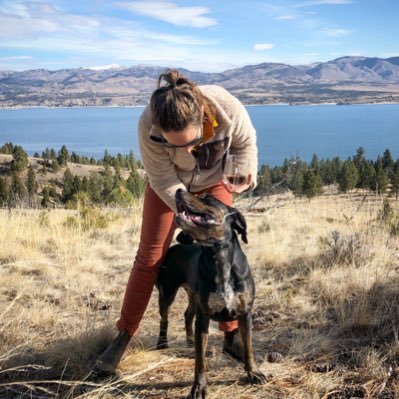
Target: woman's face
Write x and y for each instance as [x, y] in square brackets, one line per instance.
[187, 138]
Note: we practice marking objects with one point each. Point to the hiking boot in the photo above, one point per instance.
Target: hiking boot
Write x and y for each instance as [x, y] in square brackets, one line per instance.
[108, 361]
[232, 345]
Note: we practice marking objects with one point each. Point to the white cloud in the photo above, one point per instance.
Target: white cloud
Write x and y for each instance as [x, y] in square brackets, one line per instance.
[263, 46]
[331, 32]
[16, 58]
[324, 2]
[170, 12]
[286, 17]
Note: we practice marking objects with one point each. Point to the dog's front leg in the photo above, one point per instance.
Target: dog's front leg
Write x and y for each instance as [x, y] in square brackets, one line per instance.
[198, 391]
[255, 376]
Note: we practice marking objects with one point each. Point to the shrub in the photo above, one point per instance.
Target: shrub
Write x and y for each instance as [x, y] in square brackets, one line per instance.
[90, 218]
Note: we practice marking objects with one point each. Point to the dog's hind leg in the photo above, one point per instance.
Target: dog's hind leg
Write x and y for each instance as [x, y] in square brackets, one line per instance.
[166, 297]
[189, 318]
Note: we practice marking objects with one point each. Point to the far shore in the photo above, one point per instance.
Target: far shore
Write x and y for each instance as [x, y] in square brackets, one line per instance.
[20, 107]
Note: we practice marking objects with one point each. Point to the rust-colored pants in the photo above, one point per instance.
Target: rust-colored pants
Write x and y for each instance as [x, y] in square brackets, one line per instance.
[156, 235]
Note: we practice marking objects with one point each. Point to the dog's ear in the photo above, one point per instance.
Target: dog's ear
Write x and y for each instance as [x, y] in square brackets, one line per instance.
[239, 224]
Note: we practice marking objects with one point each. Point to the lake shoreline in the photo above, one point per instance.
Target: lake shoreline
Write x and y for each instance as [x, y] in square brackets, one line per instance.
[143, 106]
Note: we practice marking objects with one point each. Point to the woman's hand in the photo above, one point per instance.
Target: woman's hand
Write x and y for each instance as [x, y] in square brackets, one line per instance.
[238, 189]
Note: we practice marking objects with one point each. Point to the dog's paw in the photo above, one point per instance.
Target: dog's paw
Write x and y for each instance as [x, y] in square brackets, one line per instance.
[198, 391]
[256, 377]
[162, 344]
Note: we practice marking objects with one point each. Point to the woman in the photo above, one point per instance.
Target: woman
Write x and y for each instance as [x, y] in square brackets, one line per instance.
[184, 134]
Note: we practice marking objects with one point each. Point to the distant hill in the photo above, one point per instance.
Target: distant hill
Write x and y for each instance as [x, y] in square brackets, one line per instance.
[343, 80]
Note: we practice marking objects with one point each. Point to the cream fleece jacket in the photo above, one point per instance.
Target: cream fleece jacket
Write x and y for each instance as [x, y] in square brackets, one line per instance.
[169, 169]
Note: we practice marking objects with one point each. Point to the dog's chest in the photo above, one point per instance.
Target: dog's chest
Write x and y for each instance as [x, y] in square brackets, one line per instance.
[233, 302]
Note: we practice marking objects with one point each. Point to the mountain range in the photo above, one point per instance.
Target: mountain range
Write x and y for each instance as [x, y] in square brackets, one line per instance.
[343, 80]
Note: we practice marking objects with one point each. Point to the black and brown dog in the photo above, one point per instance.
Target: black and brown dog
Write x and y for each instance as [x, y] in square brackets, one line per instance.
[216, 276]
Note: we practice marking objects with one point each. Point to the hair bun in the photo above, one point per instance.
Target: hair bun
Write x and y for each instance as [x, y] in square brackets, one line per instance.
[173, 78]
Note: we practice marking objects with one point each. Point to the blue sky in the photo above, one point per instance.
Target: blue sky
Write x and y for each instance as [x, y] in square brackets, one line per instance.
[209, 36]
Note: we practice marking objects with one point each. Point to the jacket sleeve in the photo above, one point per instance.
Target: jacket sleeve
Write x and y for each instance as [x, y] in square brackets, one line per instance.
[160, 170]
[243, 143]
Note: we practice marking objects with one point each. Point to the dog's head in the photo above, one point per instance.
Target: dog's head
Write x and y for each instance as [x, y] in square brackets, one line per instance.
[207, 219]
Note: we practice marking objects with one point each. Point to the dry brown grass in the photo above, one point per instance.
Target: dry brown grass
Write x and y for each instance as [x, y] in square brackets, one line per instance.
[327, 300]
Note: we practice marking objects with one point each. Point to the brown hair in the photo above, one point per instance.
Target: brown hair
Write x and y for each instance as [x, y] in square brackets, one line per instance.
[178, 103]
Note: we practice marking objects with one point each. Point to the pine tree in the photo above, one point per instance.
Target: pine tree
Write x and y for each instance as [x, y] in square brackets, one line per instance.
[348, 177]
[76, 185]
[4, 191]
[95, 187]
[17, 192]
[7, 148]
[312, 184]
[63, 156]
[107, 158]
[31, 186]
[314, 164]
[136, 184]
[45, 202]
[264, 179]
[108, 181]
[395, 180]
[381, 180]
[67, 190]
[55, 166]
[19, 159]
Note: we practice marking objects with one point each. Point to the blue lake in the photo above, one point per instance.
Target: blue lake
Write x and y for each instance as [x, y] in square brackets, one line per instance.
[282, 131]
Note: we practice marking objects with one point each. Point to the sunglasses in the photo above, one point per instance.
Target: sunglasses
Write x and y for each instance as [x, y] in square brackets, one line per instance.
[197, 139]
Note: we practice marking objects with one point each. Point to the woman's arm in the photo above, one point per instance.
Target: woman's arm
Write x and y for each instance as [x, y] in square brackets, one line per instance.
[159, 168]
[243, 144]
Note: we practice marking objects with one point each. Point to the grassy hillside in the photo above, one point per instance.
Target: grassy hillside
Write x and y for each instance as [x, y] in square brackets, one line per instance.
[327, 301]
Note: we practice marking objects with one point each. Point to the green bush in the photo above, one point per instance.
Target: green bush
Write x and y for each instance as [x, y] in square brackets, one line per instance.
[90, 218]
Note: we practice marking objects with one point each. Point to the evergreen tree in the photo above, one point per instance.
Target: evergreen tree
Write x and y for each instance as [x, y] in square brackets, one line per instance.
[131, 160]
[358, 159]
[387, 161]
[264, 179]
[136, 184]
[63, 156]
[381, 180]
[76, 185]
[395, 180]
[17, 192]
[361, 165]
[4, 191]
[36, 155]
[31, 186]
[45, 202]
[75, 158]
[108, 182]
[46, 156]
[85, 184]
[95, 187]
[7, 148]
[67, 190]
[55, 166]
[312, 184]
[107, 159]
[368, 175]
[314, 164]
[19, 159]
[297, 186]
[348, 177]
